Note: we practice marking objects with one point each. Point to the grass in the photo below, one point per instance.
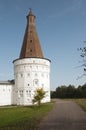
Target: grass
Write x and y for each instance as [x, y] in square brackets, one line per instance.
[81, 102]
[25, 115]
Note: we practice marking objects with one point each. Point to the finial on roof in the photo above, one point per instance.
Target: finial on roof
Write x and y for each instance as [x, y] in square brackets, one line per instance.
[30, 9]
[30, 13]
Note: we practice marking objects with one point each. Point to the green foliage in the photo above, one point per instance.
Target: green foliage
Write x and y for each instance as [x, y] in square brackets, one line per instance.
[69, 92]
[39, 95]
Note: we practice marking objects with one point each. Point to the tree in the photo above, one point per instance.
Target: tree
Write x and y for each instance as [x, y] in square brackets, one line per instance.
[39, 95]
[84, 90]
[53, 94]
[78, 93]
[65, 91]
[70, 91]
[83, 56]
[61, 91]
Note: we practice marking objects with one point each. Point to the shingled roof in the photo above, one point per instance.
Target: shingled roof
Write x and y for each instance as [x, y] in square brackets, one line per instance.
[31, 45]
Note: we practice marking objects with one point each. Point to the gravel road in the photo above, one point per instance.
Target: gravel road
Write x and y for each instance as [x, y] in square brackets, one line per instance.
[66, 115]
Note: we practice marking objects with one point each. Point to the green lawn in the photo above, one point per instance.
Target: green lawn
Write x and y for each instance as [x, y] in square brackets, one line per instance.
[20, 116]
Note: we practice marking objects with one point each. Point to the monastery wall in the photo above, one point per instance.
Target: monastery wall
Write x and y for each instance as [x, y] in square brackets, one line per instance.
[6, 96]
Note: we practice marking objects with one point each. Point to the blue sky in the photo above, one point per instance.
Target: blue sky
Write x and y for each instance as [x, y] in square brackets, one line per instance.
[61, 26]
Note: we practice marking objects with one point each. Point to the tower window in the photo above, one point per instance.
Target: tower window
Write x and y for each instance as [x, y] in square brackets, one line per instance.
[30, 41]
[36, 82]
[30, 66]
[26, 91]
[30, 50]
[42, 75]
[42, 85]
[21, 75]
[30, 31]
[28, 74]
[36, 74]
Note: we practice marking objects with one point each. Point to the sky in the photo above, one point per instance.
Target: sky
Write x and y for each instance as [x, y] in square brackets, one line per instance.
[61, 27]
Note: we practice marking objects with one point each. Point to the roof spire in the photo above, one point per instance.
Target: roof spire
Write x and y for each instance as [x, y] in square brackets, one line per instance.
[31, 45]
[30, 12]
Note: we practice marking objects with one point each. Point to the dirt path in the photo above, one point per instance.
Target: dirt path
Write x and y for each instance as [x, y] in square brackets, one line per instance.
[66, 115]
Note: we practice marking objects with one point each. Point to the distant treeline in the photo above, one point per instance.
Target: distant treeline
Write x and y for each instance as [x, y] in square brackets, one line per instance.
[69, 92]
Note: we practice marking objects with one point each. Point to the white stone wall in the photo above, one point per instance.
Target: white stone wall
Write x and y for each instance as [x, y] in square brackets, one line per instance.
[6, 97]
[30, 74]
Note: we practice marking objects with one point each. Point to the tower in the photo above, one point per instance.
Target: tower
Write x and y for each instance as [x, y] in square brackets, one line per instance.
[31, 69]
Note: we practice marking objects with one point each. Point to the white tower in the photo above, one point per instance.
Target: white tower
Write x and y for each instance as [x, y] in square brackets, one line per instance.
[31, 70]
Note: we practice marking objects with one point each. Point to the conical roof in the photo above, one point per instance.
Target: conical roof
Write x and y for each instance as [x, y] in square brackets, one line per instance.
[31, 45]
